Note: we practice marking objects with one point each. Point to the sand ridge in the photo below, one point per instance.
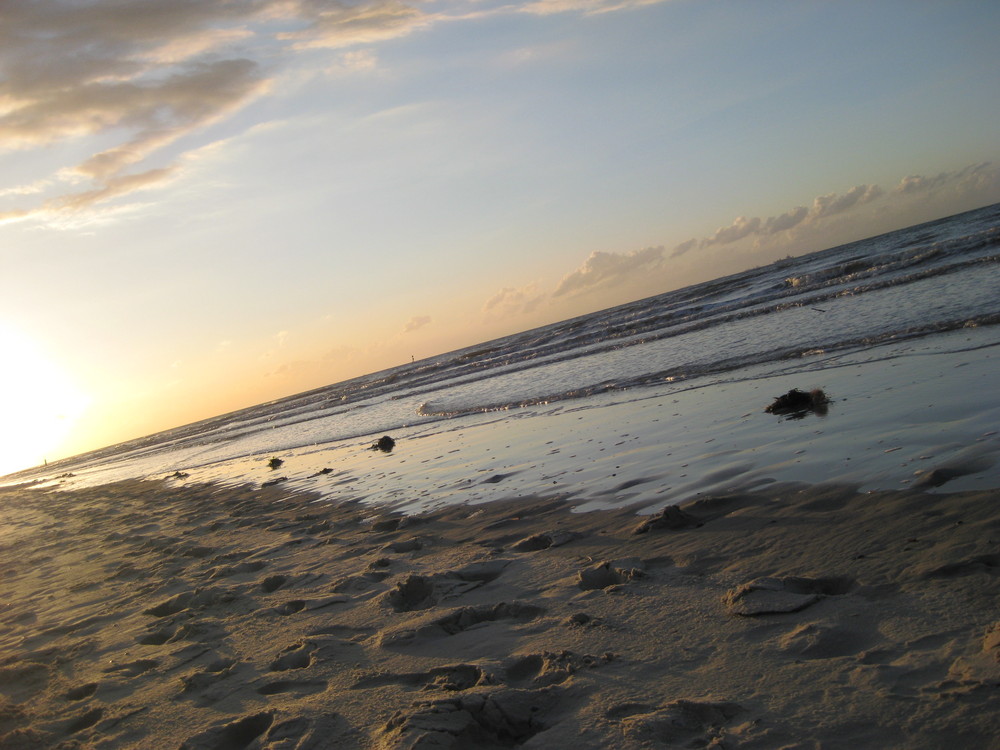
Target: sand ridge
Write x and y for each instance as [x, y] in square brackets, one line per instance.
[151, 614]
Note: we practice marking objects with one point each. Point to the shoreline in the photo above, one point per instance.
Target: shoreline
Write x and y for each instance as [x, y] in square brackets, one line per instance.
[205, 616]
[910, 414]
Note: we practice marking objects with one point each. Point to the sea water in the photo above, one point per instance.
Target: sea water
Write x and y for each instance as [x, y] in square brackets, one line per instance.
[657, 400]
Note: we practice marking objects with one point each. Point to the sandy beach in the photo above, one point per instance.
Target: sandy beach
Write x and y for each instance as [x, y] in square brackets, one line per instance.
[145, 615]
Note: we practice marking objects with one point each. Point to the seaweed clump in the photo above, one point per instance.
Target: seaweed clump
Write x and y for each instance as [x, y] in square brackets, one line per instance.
[384, 444]
[796, 404]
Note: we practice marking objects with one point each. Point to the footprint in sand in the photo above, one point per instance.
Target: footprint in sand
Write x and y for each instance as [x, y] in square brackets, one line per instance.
[453, 677]
[550, 668]
[81, 692]
[680, 723]
[23, 679]
[987, 563]
[670, 518]
[407, 545]
[767, 596]
[236, 734]
[265, 729]
[502, 718]
[547, 540]
[160, 637]
[83, 721]
[299, 687]
[819, 640]
[203, 631]
[273, 583]
[243, 568]
[212, 683]
[360, 582]
[460, 620]
[197, 599]
[417, 592]
[582, 620]
[294, 606]
[133, 668]
[611, 573]
[296, 656]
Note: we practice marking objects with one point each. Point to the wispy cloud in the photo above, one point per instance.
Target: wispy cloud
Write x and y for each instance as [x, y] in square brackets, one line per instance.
[588, 7]
[514, 301]
[332, 25]
[144, 74]
[416, 323]
[109, 188]
[140, 76]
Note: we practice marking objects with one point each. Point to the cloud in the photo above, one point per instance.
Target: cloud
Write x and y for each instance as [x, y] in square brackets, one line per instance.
[36, 187]
[823, 207]
[740, 228]
[416, 323]
[138, 77]
[831, 203]
[143, 74]
[983, 177]
[918, 183]
[354, 61]
[978, 181]
[511, 301]
[786, 221]
[111, 188]
[587, 7]
[685, 247]
[335, 25]
[605, 269]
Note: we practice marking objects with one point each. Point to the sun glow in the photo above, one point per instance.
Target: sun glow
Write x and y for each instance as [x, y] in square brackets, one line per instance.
[41, 403]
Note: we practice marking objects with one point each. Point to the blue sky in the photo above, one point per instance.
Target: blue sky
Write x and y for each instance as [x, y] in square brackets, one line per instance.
[207, 204]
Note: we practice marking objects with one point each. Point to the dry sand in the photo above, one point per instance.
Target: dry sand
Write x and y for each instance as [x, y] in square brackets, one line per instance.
[149, 616]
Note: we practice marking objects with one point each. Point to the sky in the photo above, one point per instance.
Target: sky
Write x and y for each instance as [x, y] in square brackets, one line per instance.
[209, 204]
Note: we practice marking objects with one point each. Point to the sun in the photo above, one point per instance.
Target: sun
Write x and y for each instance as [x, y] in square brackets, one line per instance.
[41, 403]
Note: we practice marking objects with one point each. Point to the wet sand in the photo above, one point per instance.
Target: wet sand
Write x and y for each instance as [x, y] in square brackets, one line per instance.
[914, 414]
[142, 615]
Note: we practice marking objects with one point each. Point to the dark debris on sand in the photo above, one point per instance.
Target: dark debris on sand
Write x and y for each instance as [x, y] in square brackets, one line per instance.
[384, 444]
[797, 403]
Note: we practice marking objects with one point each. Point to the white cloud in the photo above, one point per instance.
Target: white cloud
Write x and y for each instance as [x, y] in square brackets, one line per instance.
[976, 178]
[512, 301]
[831, 203]
[823, 207]
[143, 74]
[604, 269]
[685, 247]
[111, 188]
[588, 7]
[335, 25]
[139, 76]
[786, 221]
[740, 228]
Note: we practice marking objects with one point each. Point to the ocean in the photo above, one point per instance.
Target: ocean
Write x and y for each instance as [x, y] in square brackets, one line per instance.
[654, 401]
